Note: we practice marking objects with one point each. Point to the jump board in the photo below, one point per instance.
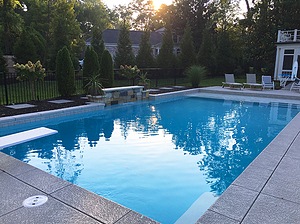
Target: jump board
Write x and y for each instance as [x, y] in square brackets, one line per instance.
[25, 136]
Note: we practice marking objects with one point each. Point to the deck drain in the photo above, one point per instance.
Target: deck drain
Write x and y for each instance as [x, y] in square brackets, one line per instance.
[35, 201]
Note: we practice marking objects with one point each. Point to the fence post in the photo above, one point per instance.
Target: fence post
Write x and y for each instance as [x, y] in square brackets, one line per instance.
[175, 72]
[5, 87]
[156, 77]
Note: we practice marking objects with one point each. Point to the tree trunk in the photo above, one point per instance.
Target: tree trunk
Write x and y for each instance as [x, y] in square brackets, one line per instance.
[247, 4]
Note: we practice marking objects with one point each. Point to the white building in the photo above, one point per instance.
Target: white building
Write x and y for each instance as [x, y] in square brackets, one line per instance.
[288, 51]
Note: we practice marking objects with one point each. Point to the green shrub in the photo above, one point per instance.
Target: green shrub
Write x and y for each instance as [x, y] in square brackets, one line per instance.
[65, 73]
[91, 65]
[107, 69]
[195, 74]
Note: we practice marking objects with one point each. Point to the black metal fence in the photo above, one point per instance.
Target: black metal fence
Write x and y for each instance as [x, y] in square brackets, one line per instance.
[15, 91]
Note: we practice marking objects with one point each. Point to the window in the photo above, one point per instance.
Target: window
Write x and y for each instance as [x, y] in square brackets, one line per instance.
[287, 62]
[288, 51]
[288, 59]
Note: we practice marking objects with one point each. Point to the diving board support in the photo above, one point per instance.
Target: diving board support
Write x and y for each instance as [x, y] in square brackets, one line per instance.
[25, 136]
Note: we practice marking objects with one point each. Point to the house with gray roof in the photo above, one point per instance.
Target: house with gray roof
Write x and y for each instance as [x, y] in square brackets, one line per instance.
[110, 37]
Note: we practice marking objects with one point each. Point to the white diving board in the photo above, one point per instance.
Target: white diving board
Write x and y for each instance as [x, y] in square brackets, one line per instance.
[25, 136]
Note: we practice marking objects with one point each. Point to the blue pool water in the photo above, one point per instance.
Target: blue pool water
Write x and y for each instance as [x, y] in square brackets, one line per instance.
[156, 157]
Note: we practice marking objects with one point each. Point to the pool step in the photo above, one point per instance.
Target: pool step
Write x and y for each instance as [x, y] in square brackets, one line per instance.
[197, 208]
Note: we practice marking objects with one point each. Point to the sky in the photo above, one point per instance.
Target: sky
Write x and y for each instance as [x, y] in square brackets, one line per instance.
[157, 3]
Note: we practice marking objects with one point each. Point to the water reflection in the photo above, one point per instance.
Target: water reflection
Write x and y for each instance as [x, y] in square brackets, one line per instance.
[228, 135]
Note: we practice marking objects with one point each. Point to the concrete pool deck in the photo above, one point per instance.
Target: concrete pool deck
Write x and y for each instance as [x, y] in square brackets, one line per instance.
[266, 192]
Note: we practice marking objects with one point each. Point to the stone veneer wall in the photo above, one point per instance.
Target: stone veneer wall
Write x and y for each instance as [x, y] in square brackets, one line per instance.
[120, 95]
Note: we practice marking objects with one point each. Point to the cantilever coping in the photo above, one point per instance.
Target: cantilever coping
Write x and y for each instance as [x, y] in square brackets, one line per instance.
[171, 94]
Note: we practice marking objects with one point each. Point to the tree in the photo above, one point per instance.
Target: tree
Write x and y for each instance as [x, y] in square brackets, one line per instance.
[91, 65]
[124, 54]
[166, 56]
[119, 14]
[91, 14]
[3, 63]
[144, 58]
[65, 73]
[98, 42]
[187, 54]
[205, 56]
[65, 30]
[225, 62]
[107, 69]
[261, 26]
[37, 15]
[144, 10]
[29, 46]
[183, 11]
[10, 22]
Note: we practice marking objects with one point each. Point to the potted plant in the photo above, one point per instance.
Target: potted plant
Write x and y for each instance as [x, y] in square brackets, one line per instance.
[95, 89]
[144, 81]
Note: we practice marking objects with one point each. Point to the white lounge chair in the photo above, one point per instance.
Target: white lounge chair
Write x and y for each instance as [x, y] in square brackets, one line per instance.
[267, 82]
[251, 82]
[296, 83]
[229, 80]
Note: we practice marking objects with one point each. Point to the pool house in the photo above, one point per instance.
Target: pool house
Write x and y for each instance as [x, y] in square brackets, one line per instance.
[288, 51]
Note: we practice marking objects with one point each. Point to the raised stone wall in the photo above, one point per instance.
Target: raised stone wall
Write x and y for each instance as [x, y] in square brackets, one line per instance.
[120, 95]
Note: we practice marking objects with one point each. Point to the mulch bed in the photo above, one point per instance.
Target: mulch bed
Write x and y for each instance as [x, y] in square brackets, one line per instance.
[44, 105]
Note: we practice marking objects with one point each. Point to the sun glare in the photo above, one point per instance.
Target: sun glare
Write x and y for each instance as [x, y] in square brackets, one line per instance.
[158, 3]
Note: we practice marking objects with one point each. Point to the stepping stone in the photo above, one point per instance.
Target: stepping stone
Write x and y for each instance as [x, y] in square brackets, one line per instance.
[165, 88]
[21, 106]
[84, 98]
[61, 101]
[25, 136]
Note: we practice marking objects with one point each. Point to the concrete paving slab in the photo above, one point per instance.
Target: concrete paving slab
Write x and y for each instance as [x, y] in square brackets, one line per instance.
[214, 217]
[136, 218]
[21, 106]
[294, 150]
[285, 181]
[51, 212]
[270, 210]
[266, 160]
[253, 178]
[61, 101]
[43, 181]
[94, 205]
[13, 193]
[14, 166]
[234, 202]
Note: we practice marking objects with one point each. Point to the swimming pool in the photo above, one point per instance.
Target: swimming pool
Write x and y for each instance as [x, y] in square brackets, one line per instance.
[156, 157]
